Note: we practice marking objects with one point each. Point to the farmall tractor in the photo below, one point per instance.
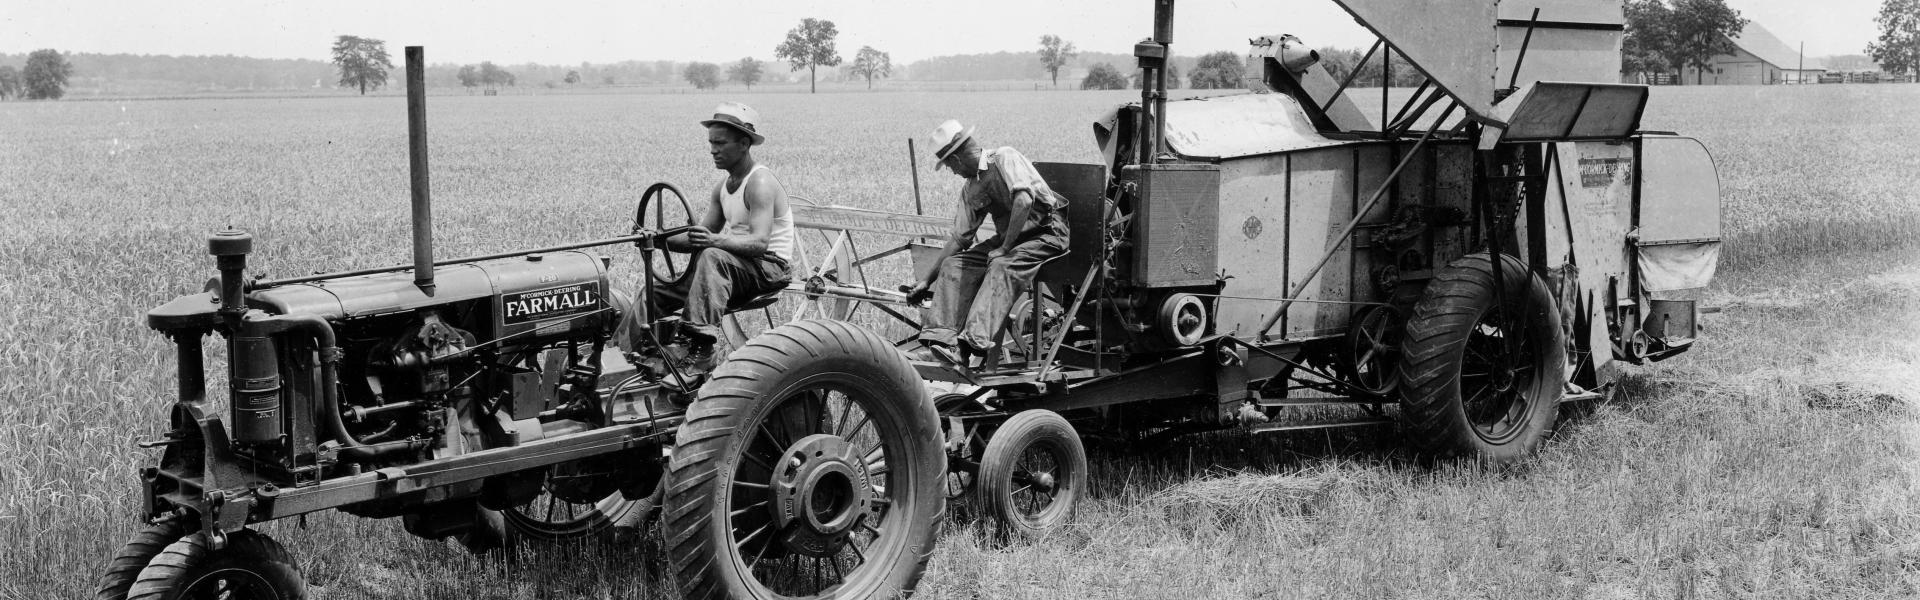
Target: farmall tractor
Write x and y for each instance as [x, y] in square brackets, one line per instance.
[481, 399]
[1461, 272]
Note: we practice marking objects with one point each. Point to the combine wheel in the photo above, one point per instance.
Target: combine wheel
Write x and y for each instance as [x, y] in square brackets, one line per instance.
[125, 565]
[809, 467]
[1372, 348]
[251, 567]
[572, 504]
[1480, 378]
[1031, 473]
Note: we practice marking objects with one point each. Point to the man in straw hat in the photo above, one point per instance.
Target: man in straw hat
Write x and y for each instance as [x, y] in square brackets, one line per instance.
[743, 244]
[977, 283]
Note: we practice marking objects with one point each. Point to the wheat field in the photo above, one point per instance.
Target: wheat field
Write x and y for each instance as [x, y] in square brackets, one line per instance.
[1776, 460]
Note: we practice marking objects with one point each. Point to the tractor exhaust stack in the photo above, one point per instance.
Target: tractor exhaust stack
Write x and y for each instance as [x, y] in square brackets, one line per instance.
[417, 169]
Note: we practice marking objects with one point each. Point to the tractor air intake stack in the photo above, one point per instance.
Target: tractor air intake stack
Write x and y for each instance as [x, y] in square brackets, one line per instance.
[1153, 55]
[417, 168]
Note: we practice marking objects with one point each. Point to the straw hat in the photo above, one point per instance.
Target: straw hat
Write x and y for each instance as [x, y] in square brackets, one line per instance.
[947, 137]
[738, 116]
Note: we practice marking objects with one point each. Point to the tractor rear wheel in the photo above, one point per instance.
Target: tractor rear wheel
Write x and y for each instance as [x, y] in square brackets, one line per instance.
[1032, 472]
[124, 568]
[251, 567]
[810, 466]
[1481, 372]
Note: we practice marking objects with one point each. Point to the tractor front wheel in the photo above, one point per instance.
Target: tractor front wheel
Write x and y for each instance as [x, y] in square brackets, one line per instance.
[124, 568]
[1481, 371]
[251, 567]
[810, 466]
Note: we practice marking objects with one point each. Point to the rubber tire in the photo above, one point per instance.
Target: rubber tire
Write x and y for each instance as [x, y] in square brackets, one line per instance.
[720, 423]
[994, 485]
[190, 558]
[1433, 350]
[124, 568]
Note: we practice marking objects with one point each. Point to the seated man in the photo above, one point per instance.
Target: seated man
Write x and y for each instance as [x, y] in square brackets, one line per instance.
[743, 243]
[977, 284]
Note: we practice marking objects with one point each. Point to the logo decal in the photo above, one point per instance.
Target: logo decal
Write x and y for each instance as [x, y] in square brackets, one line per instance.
[550, 303]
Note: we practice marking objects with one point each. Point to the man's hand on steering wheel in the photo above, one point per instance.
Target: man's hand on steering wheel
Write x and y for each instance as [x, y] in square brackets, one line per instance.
[698, 237]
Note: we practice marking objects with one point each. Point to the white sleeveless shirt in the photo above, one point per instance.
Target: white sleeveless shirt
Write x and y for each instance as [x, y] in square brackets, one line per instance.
[733, 206]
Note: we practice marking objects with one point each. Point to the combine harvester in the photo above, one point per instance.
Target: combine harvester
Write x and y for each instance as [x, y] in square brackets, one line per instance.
[1236, 256]
[1240, 255]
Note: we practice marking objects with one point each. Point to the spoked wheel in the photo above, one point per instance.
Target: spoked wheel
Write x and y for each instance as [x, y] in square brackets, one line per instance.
[251, 567]
[655, 200]
[1373, 349]
[807, 468]
[1481, 372]
[1031, 473]
[569, 507]
[124, 568]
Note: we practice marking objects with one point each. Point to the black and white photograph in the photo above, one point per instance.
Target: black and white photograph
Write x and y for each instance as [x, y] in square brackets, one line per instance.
[982, 299]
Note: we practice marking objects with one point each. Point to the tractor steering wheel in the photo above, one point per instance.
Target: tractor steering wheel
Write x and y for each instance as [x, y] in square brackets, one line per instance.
[654, 197]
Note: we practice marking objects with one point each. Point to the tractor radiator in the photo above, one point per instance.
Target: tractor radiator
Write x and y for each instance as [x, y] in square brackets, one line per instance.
[1177, 224]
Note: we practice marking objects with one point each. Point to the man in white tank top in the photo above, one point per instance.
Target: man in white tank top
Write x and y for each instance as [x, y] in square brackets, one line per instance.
[742, 245]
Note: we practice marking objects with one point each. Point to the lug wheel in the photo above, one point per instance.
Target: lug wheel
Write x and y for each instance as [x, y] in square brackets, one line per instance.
[1481, 372]
[124, 568]
[1033, 470]
[251, 567]
[808, 468]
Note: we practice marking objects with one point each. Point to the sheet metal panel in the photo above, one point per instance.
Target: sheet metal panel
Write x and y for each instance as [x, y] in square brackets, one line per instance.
[1560, 55]
[1596, 186]
[1679, 191]
[1240, 125]
[1451, 41]
[1253, 241]
[1172, 231]
[1554, 111]
[1322, 202]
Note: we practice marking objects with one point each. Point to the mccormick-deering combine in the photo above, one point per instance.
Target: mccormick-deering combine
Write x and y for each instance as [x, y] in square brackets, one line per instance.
[1490, 247]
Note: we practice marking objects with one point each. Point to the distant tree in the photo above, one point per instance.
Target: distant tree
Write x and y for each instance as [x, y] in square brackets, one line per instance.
[363, 62]
[1218, 70]
[1173, 77]
[572, 77]
[702, 75]
[491, 74]
[45, 77]
[1054, 53]
[871, 63]
[1649, 41]
[1701, 30]
[9, 82]
[1103, 76]
[469, 76]
[747, 72]
[810, 46]
[607, 80]
[1898, 49]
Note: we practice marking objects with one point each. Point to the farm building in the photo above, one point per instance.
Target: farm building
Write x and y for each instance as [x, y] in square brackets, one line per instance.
[1760, 59]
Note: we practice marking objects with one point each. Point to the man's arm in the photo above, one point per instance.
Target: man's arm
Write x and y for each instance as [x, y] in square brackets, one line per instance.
[701, 236]
[966, 221]
[1018, 221]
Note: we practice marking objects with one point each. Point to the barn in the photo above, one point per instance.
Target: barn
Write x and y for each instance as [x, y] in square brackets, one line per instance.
[1760, 58]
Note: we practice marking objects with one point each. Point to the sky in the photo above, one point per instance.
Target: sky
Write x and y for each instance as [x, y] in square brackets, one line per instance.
[566, 32]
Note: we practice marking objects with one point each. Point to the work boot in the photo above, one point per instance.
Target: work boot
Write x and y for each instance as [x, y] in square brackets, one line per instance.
[700, 334]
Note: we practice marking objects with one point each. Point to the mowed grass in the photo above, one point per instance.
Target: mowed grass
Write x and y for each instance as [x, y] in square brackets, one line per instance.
[1774, 461]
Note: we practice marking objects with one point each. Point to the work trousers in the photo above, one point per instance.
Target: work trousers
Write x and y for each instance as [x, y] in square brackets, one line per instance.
[717, 280]
[975, 293]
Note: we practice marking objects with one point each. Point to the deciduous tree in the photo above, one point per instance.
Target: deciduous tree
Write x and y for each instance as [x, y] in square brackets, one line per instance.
[9, 82]
[469, 76]
[1103, 77]
[702, 75]
[572, 77]
[871, 63]
[1054, 53]
[810, 46]
[1217, 70]
[492, 74]
[363, 62]
[1701, 30]
[747, 72]
[1649, 40]
[1898, 49]
[45, 77]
